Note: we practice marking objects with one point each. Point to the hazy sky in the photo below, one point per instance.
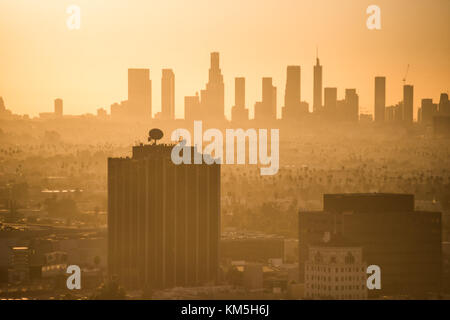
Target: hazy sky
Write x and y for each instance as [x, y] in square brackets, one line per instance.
[41, 59]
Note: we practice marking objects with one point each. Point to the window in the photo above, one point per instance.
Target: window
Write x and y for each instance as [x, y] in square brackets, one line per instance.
[318, 258]
[349, 258]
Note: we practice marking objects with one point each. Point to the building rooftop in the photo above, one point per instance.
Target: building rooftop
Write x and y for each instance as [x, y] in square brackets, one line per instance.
[335, 240]
[368, 202]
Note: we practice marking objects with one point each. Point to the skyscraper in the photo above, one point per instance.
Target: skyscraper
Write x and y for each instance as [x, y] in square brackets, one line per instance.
[168, 94]
[427, 111]
[408, 103]
[317, 87]
[58, 107]
[212, 98]
[292, 93]
[266, 110]
[293, 108]
[330, 103]
[444, 105]
[239, 112]
[139, 94]
[163, 219]
[239, 92]
[380, 99]
[351, 105]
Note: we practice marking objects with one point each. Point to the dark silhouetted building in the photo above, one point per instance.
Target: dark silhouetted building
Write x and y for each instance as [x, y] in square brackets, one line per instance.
[330, 102]
[211, 103]
[394, 113]
[163, 219]
[292, 95]
[351, 112]
[139, 94]
[404, 243]
[444, 105]
[317, 87]
[212, 98]
[293, 108]
[408, 103]
[168, 94]
[380, 99]
[266, 110]
[239, 112]
[427, 111]
[441, 125]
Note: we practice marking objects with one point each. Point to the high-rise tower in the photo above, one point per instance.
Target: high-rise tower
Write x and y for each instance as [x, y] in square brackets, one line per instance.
[408, 103]
[380, 99]
[292, 95]
[317, 87]
[168, 94]
[213, 96]
[163, 219]
[239, 112]
[139, 94]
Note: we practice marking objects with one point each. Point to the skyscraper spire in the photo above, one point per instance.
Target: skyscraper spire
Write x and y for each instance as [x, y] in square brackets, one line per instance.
[317, 84]
[317, 56]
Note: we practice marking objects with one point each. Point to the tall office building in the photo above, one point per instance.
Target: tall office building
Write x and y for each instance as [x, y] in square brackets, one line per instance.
[58, 107]
[212, 98]
[351, 105]
[293, 108]
[444, 105]
[139, 94]
[266, 110]
[404, 243]
[269, 98]
[168, 94]
[239, 112]
[239, 93]
[408, 103]
[380, 99]
[292, 94]
[163, 219]
[330, 102]
[427, 111]
[317, 87]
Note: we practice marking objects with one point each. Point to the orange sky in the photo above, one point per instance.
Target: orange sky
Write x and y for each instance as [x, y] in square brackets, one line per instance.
[41, 59]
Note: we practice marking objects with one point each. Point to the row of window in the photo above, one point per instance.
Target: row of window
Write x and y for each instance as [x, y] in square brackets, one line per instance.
[342, 296]
[328, 269]
[343, 278]
[336, 288]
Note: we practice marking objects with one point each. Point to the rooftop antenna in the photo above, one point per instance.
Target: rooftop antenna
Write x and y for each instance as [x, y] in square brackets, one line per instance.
[317, 54]
[154, 135]
[406, 74]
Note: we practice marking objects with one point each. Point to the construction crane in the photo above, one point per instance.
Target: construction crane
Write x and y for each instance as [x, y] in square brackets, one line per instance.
[406, 74]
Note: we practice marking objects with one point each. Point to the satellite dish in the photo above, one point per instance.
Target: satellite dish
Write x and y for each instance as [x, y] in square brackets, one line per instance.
[155, 134]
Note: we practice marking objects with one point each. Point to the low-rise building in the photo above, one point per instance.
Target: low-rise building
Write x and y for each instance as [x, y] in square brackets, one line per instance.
[335, 270]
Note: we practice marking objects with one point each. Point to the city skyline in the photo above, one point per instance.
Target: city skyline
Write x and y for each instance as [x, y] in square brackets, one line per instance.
[209, 104]
[91, 79]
